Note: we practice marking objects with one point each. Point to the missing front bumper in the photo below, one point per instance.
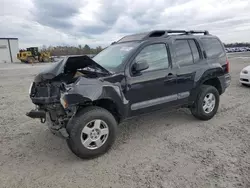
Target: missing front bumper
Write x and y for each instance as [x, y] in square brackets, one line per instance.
[58, 130]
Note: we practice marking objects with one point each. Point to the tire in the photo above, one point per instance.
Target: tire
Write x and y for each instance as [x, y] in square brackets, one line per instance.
[30, 60]
[46, 59]
[198, 111]
[245, 85]
[81, 121]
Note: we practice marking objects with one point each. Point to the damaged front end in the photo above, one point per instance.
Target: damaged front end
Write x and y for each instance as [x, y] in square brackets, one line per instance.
[46, 97]
[46, 90]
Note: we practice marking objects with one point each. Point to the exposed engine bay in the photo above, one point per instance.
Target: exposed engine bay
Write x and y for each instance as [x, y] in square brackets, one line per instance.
[45, 91]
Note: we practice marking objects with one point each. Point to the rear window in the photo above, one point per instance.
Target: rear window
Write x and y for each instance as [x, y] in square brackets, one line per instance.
[213, 47]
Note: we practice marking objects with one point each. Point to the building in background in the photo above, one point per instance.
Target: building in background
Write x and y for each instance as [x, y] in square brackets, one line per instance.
[8, 50]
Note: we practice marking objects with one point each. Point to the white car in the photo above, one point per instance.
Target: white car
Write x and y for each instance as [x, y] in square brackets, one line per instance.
[245, 76]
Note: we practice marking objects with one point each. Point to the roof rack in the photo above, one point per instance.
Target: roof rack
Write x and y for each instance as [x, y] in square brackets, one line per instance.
[205, 32]
[165, 33]
[176, 31]
[159, 33]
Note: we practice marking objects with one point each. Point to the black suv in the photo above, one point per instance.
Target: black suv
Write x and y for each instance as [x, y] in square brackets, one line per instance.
[85, 98]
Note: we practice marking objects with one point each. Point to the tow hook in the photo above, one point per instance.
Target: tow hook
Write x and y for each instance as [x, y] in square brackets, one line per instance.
[40, 114]
[43, 120]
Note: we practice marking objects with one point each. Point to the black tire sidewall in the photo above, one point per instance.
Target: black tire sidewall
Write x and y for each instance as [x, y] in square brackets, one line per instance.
[199, 112]
[245, 85]
[87, 115]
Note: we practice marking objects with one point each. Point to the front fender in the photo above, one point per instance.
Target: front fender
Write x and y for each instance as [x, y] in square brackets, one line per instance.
[86, 91]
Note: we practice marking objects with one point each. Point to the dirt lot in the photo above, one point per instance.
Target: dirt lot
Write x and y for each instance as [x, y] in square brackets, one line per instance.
[165, 149]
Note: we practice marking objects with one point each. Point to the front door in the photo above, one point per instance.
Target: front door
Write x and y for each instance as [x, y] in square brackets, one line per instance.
[154, 87]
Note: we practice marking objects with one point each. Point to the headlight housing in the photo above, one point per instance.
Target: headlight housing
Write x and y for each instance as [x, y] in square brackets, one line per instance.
[244, 71]
[64, 102]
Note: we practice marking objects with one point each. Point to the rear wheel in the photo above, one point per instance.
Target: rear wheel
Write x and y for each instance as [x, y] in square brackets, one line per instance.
[207, 103]
[92, 132]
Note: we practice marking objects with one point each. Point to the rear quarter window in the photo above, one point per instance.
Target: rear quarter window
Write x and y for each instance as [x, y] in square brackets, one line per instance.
[213, 47]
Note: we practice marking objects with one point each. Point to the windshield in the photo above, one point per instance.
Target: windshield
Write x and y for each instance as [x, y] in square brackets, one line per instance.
[111, 57]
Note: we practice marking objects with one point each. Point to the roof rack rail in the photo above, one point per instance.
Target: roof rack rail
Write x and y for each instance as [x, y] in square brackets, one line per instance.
[158, 33]
[176, 31]
[205, 32]
[165, 33]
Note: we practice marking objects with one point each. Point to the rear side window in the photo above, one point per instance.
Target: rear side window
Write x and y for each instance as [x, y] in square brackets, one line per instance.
[183, 53]
[213, 47]
[195, 51]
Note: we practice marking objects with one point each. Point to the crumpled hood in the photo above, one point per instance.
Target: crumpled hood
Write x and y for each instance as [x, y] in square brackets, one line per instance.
[67, 65]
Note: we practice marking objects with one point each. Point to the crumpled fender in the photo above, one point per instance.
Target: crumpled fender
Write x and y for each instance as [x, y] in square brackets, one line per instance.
[85, 91]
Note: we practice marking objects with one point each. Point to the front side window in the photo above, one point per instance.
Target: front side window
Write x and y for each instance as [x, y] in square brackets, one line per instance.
[155, 55]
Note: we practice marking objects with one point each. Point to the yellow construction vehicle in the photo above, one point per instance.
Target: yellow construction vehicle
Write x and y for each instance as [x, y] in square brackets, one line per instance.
[32, 55]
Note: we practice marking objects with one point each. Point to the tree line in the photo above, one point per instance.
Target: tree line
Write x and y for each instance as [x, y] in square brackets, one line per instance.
[71, 50]
[241, 44]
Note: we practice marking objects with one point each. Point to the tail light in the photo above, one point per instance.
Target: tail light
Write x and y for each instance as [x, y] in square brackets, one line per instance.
[227, 66]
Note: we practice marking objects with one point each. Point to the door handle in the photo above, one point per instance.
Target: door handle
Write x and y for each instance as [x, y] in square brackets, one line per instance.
[170, 77]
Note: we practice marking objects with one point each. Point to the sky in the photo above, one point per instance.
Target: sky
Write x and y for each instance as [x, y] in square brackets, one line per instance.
[100, 22]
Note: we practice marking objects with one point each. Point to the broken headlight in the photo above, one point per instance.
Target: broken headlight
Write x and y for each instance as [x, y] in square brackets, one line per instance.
[245, 72]
[64, 103]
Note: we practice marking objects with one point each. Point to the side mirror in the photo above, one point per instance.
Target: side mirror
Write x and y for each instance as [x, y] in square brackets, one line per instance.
[140, 66]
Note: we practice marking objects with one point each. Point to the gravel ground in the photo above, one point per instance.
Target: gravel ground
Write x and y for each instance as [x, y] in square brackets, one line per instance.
[165, 149]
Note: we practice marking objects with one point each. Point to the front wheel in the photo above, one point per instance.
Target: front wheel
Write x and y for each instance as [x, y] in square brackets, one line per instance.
[207, 103]
[92, 132]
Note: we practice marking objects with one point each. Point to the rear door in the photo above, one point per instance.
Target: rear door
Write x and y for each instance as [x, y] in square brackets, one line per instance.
[188, 64]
